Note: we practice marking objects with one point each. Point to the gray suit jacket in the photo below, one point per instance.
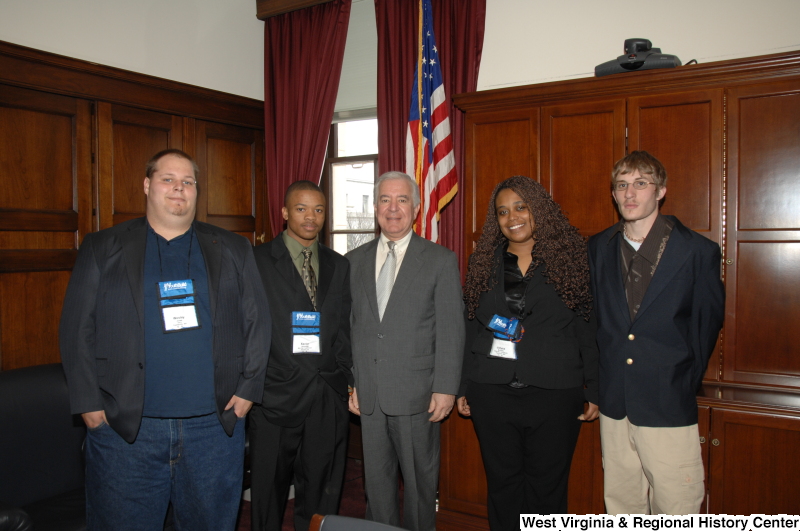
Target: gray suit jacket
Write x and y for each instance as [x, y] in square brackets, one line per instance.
[418, 347]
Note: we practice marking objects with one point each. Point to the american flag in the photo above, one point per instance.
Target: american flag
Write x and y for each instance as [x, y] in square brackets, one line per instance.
[429, 143]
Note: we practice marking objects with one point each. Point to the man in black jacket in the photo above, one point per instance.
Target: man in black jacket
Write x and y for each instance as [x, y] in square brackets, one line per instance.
[660, 304]
[164, 339]
[299, 434]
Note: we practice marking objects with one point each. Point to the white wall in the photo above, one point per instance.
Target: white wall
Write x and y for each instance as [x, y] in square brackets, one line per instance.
[217, 44]
[535, 41]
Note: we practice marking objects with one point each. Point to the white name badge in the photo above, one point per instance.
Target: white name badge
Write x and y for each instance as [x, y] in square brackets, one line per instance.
[305, 344]
[305, 332]
[179, 317]
[503, 349]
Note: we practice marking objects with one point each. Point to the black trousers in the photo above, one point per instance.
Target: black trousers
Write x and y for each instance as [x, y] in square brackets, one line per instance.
[311, 456]
[527, 438]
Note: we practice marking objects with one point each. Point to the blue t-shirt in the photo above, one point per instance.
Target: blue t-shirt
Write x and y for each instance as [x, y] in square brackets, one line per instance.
[179, 366]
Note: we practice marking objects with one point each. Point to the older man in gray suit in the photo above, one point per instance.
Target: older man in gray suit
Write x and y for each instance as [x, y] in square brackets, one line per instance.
[407, 335]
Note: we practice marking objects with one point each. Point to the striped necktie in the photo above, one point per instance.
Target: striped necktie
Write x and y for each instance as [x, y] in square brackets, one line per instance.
[309, 278]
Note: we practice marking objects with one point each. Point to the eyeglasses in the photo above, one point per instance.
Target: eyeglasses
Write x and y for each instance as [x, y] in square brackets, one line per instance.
[621, 186]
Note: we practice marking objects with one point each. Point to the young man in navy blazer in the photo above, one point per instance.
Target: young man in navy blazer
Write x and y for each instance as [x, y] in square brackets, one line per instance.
[660, 305]
[298, 435]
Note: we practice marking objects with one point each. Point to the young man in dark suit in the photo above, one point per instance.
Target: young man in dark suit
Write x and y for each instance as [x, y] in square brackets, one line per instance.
[298, 435]
[164, 339]
[660, 305]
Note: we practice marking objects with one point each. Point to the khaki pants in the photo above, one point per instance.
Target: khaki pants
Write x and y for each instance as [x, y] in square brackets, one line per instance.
[651, 470]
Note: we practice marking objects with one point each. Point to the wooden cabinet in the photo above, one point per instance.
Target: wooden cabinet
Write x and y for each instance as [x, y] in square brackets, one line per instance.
[752, 465]
[74, 141]
[727, 134]
[579, 144]
[762, 249]
[753, 435]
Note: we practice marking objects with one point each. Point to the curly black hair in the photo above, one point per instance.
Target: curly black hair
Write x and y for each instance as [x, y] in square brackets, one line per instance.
[558, 246]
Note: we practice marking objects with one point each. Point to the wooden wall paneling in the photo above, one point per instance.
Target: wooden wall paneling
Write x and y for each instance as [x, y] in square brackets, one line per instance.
[462, 485]
[716, 74]
[45, 165]
[753, 469]
[768, 146]
[580, 144]
[45, 208]
[767, 286]
[500, 145]
[231, 171]
[127, 138]
[763, 244]
[27, 67]
[685, 132]
[30, 310]
[586, 473]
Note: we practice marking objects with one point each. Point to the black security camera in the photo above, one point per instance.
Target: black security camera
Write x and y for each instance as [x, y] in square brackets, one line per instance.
[639, 55]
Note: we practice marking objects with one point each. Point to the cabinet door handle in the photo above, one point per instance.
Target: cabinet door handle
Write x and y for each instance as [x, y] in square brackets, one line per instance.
[729, 261]
[262, 237]
[702, 440]
[715, 442]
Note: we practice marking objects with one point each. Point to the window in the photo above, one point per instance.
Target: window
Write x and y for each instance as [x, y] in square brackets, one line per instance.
[348, 180]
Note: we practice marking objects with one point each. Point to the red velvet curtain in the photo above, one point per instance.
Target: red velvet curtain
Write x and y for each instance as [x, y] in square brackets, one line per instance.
[303, 52]
[458, 26]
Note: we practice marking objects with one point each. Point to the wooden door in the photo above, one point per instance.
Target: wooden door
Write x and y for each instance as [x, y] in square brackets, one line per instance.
[232, 188]
[127, 138]
[685, 131]
[753, 465]
[762, 253]
[580, 144]
[45, 210]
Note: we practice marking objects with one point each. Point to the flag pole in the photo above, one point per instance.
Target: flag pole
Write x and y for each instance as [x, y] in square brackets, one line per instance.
[419, 164]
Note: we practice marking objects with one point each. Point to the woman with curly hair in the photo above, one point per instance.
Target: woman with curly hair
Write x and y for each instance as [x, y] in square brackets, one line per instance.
[528, 389]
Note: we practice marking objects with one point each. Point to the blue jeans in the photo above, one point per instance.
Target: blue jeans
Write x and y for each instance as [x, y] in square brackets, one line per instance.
[190, 462]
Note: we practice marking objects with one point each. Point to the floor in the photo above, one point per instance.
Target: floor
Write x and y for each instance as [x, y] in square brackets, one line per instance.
[353, 502]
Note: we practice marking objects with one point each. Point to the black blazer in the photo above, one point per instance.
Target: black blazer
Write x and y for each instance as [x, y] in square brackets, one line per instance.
[291, 379]
[558, 350]
[102, 323]
[671, 339]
